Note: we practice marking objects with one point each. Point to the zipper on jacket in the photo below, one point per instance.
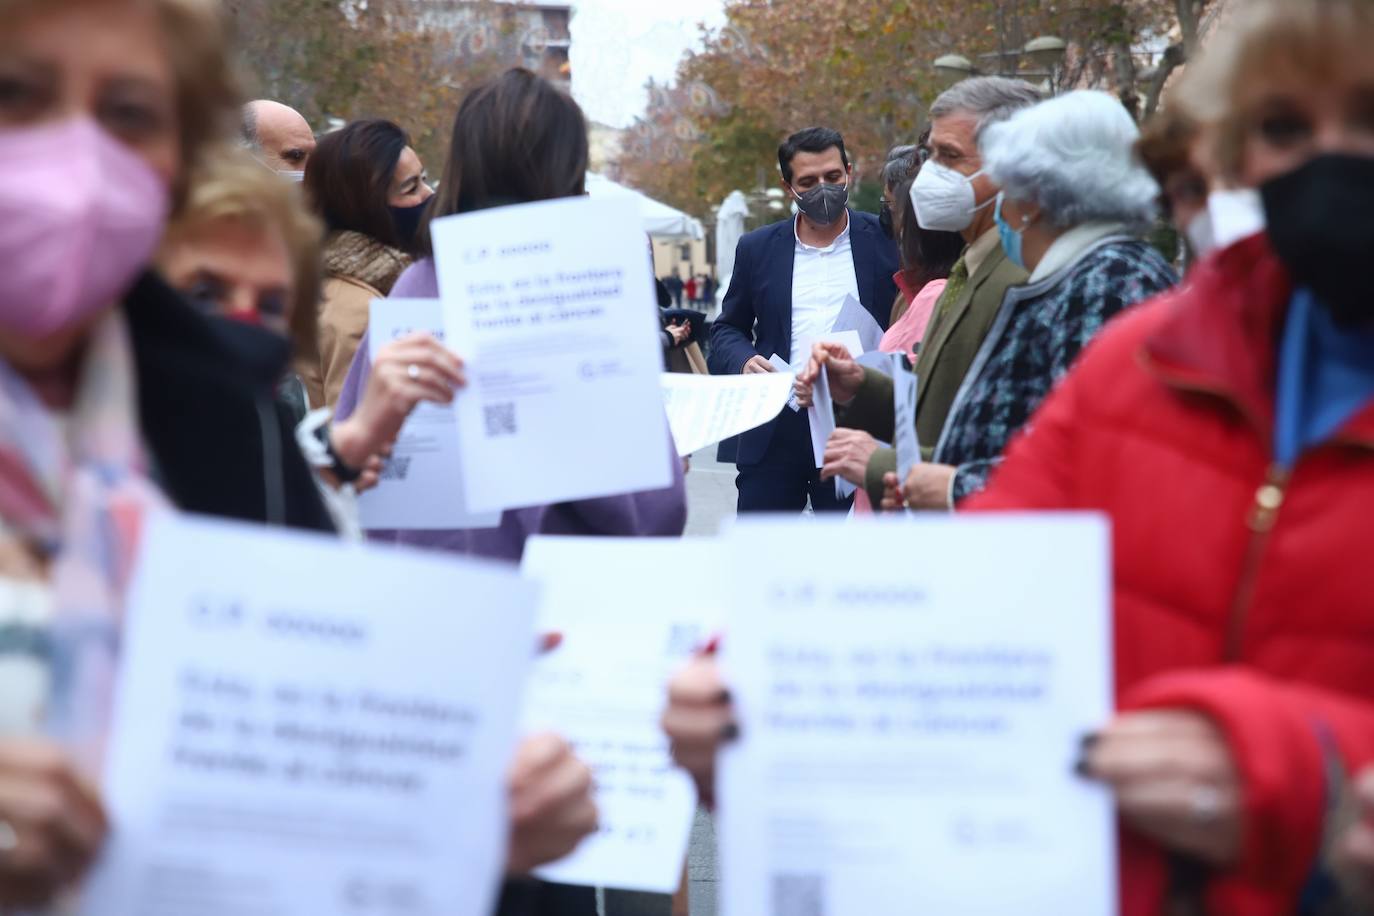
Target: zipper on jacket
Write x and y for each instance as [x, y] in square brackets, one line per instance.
[1264, 511]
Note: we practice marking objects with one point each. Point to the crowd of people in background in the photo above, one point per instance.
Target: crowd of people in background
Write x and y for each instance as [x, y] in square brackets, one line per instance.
[183, 322]
[695, 291]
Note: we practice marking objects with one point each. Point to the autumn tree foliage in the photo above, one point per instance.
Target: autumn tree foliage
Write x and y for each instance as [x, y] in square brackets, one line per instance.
[350, 59]
[865, 69]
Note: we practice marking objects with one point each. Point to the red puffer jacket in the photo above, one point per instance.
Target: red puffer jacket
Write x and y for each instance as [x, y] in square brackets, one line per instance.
[1243, 590]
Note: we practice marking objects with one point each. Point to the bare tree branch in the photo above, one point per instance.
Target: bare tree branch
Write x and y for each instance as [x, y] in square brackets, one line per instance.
[1189, 19]
[1174, 57]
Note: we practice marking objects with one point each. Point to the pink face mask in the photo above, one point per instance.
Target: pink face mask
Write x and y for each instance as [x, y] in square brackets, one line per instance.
[80, 218]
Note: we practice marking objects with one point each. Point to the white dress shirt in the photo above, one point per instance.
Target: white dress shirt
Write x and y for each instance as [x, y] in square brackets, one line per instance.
[821, 280]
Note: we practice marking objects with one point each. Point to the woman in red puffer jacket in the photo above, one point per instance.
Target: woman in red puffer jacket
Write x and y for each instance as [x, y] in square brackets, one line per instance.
[1228, 431]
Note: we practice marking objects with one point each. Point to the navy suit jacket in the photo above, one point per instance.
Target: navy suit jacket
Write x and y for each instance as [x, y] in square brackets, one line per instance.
[756, 314]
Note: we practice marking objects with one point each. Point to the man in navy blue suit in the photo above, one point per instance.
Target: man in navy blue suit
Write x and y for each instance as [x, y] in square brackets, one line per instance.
[790, 281]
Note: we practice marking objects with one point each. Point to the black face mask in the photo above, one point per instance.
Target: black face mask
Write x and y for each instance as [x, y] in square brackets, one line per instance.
[407, 222]
[824, 203]
[885, 220]
[1321, 222]
[263, 354]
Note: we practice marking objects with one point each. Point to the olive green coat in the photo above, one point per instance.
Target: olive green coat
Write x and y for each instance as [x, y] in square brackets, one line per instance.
[951, 342]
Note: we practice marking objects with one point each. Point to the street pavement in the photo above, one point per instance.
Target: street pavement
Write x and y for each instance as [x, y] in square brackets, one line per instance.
[710, 494]
[710, 501]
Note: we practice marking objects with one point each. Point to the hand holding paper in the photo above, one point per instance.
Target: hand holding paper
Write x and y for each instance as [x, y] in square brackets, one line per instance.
[63, 836]
[551, 803]
[557, 327]
[821, 415]
[904, 417]
[910, 724]
[624, 634]
[841, 357]
[847, 455]
[781, 365]
[421, 485]
[304, 744]
[704, 409]
[391, 394]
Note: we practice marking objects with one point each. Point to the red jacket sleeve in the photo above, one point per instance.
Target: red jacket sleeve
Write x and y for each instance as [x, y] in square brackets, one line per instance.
[1282, 736]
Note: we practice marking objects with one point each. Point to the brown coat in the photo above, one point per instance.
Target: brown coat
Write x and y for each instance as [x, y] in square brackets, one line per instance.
[357, 270]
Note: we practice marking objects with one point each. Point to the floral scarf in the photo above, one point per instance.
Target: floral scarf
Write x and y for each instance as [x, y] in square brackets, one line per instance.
[74, 491]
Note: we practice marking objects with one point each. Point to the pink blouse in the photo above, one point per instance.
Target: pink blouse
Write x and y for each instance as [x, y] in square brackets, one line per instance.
[911, 327]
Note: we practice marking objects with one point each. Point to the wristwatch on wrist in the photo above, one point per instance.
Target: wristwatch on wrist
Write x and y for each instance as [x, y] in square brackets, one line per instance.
[312, 435]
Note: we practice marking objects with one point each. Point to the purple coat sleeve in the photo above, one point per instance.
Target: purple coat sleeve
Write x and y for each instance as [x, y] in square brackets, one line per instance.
[649, 513]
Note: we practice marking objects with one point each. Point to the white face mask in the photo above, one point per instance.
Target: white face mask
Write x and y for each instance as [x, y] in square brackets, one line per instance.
[297, 177]
[1231, 215]
[1236, 214]
[944, 199]
[1201, 239]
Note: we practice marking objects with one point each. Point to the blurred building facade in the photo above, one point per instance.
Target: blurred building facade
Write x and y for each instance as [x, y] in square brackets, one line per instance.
[538, 35]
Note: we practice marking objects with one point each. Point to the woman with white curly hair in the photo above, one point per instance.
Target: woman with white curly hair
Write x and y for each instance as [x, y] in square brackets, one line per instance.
[1072, 204]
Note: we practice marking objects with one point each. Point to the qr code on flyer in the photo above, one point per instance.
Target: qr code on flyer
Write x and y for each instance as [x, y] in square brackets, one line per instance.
[500, 419]
[396, 468]
[798, 895]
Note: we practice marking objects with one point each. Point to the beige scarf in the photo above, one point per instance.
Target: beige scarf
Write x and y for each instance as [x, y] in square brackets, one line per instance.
[361, 257]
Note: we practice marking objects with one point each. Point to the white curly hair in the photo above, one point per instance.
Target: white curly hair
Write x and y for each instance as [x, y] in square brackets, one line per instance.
[1074, 157]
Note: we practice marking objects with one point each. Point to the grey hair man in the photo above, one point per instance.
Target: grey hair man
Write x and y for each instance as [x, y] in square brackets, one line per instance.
[951, 193]
[279, 136]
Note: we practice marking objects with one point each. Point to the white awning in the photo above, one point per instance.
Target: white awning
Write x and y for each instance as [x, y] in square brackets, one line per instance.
[660, 220]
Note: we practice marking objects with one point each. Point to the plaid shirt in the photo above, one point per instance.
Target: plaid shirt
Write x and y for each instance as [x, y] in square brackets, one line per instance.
[1038, 332]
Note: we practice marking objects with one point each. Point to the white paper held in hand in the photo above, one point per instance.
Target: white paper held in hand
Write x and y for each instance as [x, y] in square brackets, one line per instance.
[904, 417]
[552, 307]
[327, 735]
[624, 635]
[822, 419]
[854, 317]
[850, 340]
[421, 485]
[910, 723]
[780, 364]
[821, 415]
[704, 409]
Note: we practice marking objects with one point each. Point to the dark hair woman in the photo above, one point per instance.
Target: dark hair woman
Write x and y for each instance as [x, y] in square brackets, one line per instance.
[927, 257]
[518, 139]
[370, 188]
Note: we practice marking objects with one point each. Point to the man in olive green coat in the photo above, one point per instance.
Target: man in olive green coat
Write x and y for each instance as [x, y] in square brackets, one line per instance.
[951, 193]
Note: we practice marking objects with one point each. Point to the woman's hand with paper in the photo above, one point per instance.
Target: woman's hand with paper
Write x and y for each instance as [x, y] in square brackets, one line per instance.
[847, 455]
[406, 372]
[698, 720]
[551, 806]
[52, 824]
[844, 374]
[1175, 781]
[928, 486]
